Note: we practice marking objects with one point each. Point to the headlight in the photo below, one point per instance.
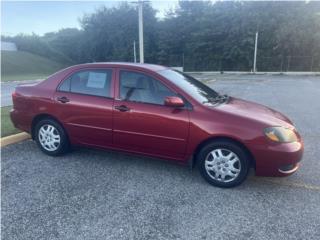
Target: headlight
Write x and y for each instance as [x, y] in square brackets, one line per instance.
[280, 134]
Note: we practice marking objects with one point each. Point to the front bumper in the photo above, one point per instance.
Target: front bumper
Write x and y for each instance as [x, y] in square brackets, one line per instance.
[278, 160]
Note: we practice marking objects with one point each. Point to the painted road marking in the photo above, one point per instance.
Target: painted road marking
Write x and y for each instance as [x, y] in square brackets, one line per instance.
[286, 183]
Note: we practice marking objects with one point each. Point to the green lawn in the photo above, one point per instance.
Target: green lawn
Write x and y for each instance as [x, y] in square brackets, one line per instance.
[19, 65]
[7, 127]
[20, 77]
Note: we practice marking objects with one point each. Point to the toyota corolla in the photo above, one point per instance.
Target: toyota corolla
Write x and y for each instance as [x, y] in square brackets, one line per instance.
[157, 111]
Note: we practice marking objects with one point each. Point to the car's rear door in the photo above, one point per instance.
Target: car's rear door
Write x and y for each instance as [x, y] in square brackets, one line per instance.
[84, 105]
[142, 123]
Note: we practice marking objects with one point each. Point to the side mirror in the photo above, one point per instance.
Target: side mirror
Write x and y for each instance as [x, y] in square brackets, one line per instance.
[175, 102]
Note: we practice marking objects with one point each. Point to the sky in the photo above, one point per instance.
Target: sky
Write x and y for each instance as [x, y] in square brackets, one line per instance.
[40, 17]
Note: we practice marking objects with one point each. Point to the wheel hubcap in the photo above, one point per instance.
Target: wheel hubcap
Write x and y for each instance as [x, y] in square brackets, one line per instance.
[49, 137]
[223, 165]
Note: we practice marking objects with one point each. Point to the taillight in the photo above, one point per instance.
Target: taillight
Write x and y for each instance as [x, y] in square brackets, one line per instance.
[14, 94]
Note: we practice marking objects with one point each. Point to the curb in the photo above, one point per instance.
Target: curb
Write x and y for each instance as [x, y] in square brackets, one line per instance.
[256, 73]
[14, 139]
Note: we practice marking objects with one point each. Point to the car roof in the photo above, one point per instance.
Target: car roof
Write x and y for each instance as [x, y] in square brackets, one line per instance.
[151, 67]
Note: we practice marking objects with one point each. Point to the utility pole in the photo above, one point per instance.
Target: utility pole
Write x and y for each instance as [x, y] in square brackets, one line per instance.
[255, 54]
[141, 50]
[134, 52]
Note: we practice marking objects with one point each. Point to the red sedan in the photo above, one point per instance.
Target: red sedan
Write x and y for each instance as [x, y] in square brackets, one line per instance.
[157, 111]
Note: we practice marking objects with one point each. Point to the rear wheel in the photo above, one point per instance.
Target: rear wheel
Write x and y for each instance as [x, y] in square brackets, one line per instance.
[223, 163]
[51, 137]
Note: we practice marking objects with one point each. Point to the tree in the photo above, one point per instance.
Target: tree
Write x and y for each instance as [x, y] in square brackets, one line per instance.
[201, 35]
[110, 33]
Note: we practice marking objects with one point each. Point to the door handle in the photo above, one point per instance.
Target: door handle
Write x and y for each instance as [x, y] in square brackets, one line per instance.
[63, 99]
[122, 108]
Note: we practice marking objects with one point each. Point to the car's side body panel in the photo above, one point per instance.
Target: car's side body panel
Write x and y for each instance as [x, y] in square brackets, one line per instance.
[150, 128]
[87, 119]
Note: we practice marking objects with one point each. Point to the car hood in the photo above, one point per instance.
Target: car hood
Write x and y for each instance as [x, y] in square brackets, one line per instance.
[256, 111]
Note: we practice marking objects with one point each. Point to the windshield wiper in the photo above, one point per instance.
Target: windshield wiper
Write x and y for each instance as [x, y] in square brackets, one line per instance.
[220, 97]
[217, 100]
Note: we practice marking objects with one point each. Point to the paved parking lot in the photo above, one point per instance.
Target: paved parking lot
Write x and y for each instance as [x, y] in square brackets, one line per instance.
[91, 194]
[8, 87]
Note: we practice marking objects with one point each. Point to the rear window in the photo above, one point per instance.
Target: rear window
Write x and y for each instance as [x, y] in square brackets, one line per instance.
[90, 82]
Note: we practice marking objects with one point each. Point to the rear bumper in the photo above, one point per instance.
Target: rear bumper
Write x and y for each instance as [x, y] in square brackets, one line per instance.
[20, 120]
[278, 160]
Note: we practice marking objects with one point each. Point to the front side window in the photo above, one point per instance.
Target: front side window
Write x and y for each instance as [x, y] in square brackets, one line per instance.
[139, 87]
[90, 82]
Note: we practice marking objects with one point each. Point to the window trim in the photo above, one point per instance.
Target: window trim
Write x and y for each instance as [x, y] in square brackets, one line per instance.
[84, 70]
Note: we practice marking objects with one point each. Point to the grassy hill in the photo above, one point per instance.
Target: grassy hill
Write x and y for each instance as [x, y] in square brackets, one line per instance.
[26, 66]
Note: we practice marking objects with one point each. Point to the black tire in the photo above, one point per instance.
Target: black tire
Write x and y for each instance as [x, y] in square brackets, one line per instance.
[61, 147]
[227, 146]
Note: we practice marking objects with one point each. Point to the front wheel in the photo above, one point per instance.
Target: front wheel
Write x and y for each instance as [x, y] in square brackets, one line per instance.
[51, 137]
[223, 164]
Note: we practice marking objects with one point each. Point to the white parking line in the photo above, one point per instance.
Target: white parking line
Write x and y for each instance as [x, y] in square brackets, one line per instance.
[287, 183]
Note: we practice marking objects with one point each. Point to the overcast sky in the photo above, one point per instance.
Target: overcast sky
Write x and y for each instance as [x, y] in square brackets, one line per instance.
[47, 16]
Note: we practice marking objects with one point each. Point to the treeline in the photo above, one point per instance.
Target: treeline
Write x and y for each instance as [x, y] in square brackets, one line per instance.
[199, 35]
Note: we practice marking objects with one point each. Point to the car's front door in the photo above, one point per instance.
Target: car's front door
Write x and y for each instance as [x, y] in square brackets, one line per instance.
[142, 123]
[84, 105]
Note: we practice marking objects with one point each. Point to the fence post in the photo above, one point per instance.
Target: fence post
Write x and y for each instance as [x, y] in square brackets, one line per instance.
[288, 63]
[311, 68]
[134, 52]
[182, 62]
[255, 53]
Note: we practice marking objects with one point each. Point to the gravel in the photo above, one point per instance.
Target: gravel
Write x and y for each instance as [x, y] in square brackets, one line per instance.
[92, 194]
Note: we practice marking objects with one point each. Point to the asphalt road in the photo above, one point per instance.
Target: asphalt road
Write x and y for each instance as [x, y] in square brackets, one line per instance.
[91, 194]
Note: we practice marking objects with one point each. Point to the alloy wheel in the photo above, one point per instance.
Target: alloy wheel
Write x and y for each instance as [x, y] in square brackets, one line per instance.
[49, 137]
[222, 165]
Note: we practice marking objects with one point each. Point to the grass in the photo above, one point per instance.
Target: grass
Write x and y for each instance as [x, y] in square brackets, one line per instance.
[7, 127]
[19, 65]
[20, 77]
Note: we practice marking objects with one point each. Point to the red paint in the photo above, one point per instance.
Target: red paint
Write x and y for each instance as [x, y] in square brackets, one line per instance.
[155, 130]
[175, 102]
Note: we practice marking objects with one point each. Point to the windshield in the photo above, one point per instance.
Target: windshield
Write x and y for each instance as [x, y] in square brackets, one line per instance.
[190, 85]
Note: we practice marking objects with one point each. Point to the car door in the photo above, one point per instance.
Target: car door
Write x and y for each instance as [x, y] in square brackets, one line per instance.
[142, 123]
[85, 103]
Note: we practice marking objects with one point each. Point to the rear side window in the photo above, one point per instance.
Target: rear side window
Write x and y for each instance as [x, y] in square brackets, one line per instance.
[90, 82]
[65, 86]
